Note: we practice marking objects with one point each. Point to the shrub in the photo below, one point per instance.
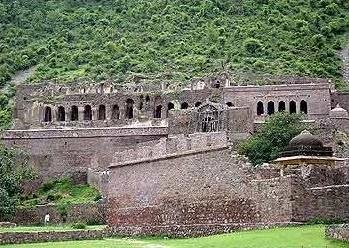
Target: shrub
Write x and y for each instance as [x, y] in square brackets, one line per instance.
[253, 46]
[273, 137]
[79, 226]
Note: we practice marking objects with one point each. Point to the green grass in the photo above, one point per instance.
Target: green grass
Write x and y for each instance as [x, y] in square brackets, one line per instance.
[62, 192]
[47, 228]
[305, 236]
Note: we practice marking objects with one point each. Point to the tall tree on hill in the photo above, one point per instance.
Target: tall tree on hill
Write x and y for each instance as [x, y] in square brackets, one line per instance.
[13, 171]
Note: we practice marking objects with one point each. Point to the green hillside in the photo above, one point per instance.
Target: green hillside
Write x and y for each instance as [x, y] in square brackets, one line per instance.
[99, 39]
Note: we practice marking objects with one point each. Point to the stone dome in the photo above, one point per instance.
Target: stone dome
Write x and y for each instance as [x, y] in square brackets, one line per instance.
[339, 112]
[305, 139]
[306, 144]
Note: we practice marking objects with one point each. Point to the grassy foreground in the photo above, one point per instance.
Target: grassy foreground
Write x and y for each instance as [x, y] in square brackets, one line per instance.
[306, 237]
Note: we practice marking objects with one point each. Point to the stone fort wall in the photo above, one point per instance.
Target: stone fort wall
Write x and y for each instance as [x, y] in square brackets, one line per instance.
[192, 191]
[208, 190]
[56, 152]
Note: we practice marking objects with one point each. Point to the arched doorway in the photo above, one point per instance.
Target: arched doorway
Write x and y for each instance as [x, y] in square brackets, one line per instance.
[157, 112]
[271, 108]
[87, 113]
[61, 114]
[304, 107]
[282, 106]
[47, 114]
[129, 109]
[260, 108]
[101, 112]
[74, 116]
[293, 107]
[184, 105]
[115, 113]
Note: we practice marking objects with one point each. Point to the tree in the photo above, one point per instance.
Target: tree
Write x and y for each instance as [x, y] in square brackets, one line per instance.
[272, 138]
[13, 171]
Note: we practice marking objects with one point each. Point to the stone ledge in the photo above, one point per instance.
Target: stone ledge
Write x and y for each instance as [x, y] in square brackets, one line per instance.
[85, 132]
[170, 156]
[51, 236]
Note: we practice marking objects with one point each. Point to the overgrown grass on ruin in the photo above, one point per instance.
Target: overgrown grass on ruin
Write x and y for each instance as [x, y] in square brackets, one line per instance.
[304, 236]
[62, 193]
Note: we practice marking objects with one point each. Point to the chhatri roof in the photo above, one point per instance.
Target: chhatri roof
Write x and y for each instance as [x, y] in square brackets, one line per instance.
[306, 144]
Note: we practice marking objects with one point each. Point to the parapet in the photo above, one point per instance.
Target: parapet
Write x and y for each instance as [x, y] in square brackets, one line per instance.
[170, 146]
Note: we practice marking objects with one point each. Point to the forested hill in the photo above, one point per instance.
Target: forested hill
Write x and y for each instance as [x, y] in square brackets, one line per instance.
[71, 39]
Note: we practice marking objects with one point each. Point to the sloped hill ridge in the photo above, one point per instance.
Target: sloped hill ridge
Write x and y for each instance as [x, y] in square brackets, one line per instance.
[96, 40]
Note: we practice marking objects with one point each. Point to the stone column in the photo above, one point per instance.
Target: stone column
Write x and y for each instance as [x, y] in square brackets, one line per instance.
[81, 113]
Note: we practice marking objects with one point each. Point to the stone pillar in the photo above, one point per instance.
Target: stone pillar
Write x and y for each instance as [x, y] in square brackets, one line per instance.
[81, 113]
[67, 113]
[108, 112]
[94, 113]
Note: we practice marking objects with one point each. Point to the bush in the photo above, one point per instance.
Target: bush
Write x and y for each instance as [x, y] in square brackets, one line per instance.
[320, 221]
[273, 138]
[79, 226]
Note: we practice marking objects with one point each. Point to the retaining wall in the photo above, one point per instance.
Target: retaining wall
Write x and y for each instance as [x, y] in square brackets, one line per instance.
[37, 237]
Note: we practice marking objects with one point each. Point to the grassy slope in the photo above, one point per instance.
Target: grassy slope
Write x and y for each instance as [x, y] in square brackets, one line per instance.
[306, 237]
[72, 39]
[62, 192]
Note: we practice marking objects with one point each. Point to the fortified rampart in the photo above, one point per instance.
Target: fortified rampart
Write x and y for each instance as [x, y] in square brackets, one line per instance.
[209, 190]
[56, 152]
[165, 158]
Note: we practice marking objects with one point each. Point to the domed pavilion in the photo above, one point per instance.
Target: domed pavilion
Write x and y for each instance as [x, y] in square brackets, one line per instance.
[304, 150]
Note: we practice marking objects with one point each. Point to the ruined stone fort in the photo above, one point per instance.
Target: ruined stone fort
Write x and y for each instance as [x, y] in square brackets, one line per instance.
[165, 158]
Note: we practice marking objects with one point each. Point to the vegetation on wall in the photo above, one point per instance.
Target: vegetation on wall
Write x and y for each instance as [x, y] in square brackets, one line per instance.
[13, 171]
[178, 39]
[62, 192]
[272, 138]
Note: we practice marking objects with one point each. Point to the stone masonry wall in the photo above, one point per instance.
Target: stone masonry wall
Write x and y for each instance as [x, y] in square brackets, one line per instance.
[57, 152]
[86, 213]
[191, 192]
[39, 237]
[327, 202]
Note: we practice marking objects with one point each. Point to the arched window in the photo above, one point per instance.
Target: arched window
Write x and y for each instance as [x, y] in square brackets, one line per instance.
[101, 112]
[74, 113]
[88, 113]
[115, 113]
[304, 107]
[48, 114]
[157, 112]
[61, 114]
[271, 108]
[230, 104]
[197, 104]
[260, 108]
[293, 107]
[184, 105]
[129, 109]
[282, 106]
